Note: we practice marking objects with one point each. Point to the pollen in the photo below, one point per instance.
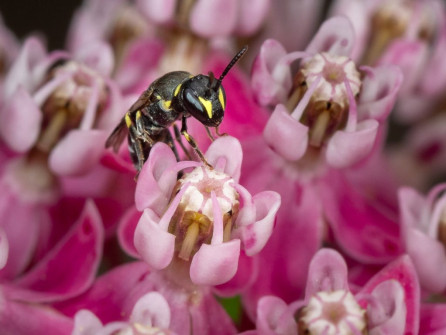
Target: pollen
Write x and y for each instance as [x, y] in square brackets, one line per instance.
[333, 313]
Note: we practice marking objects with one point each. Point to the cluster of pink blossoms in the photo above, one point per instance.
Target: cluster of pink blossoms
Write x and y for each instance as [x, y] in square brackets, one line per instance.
[321, 210]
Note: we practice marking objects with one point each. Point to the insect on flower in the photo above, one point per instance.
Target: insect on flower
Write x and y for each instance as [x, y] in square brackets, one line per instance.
[174, 96]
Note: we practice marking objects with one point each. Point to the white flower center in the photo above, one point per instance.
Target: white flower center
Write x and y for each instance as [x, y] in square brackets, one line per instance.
[333, 313]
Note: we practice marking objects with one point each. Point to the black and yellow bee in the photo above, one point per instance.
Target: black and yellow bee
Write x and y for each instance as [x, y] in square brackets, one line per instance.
[174, 96]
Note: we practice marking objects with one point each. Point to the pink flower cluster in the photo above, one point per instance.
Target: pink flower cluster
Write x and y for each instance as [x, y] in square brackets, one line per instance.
[318, 207]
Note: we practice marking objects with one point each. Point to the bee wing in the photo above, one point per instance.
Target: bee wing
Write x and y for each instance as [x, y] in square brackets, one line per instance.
[117, 136]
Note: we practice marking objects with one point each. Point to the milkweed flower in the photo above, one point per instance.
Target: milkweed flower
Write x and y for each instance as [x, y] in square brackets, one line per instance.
[201, 221]
[386, 304]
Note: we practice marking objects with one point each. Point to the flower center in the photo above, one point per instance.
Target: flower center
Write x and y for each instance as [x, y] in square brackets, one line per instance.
[80, 91]
[193, 220]
[325, 87]
[394, 19]
[332, 313]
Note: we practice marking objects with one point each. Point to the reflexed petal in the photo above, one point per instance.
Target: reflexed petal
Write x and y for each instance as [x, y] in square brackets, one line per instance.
[4, 248]
[20, 121]
[327, 272]
[271, 77]
[78, 152]
[86, 323]
[347, 148]
[126, 231]
[285, 135]
[70, 267]
[155, 245]
[255, 235]
[228, 151]
[98, 56]
[411, 207]
[212, 18]
[158, 11]
[151, 310]
[215, 264]
[379, 91]
[274, 317]
[335, 36]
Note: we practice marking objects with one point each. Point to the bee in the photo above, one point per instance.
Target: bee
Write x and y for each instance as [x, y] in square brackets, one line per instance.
[174, 96]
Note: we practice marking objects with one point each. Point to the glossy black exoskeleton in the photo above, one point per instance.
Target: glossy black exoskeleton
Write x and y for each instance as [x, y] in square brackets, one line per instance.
[174, 96]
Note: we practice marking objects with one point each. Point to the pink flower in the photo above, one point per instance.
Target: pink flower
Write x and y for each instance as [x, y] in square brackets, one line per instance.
[422, 220]
[202, 218]
[329, 108]
[387, 304]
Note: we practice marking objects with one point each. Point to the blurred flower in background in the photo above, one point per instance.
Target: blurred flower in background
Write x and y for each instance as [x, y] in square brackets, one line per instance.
[318, 206]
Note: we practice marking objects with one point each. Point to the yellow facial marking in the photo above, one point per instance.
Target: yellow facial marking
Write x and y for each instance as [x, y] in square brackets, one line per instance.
[166, 104]
[128, 120]
[138, 115]
[177, 90]
[221, 98]
[207, 105]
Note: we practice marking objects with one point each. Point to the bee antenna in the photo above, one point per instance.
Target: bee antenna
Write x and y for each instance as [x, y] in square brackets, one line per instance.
[230, 65]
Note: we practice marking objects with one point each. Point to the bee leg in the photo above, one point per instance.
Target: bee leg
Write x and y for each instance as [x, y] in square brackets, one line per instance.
[218, 132]
[138, 147]
[141, 129]
[180, 142]
[208, 131]
[192, 142]
[171, 143]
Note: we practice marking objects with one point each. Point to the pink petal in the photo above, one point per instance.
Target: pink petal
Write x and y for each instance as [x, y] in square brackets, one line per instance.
[274, 317]
[151, 310]
[328, 272]
[285, 135]
[20, 120]
[388, 314]
[432, 320]
[4, 248]
[271, 77]
[412, 204]
[109, 294]
[158, 11]
[126, 231]
[97, 56]
[335, 36]
[211, 18]
[226, 150]
[155, 245]
[215, 264]
[256, 235]
[347, 148]
[149, 193]
[402, 271]
[70, 267]
[379, 91]
[429, 258]
[86, 323]
[78, 152]
[18, 318]
[251, 15]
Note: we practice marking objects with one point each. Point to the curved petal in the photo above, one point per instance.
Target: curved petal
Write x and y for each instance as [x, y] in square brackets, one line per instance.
[126, 231]
[151, 310]
[271, 77]
[98, 56]
[379, 91]
[70, 267]
[347, 148]
[20, 120]
[327, 272]
[215, 264]
[78, 152]
[251, 15]
[4, 248]
[411, 205]
[255, 235]
[285, 135]
[212, 18]
[274, 317]
[86, 323]
[155, 245]
[149, 193]
[388, 315]
[402, 271]
[228, 149]
[335, 36]
[429, 258]
[158, 11]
